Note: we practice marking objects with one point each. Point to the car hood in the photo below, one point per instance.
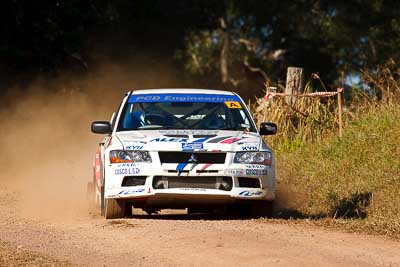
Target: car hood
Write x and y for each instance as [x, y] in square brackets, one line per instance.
[190, 140]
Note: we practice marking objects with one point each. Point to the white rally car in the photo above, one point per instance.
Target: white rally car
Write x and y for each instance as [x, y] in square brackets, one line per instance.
[182, 148]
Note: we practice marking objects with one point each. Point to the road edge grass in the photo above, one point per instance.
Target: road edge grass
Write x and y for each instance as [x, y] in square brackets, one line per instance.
[350, 183]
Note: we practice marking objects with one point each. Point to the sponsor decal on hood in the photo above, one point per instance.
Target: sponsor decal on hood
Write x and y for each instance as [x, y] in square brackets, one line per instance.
[190, 140]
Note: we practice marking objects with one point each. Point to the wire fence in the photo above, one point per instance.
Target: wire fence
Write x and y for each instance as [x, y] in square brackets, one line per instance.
[308, 116]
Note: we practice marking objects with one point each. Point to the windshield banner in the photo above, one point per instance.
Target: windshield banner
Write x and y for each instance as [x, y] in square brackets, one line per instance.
[182, 98]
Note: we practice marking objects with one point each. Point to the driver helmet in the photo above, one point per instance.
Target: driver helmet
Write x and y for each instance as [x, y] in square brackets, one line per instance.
[134, 120]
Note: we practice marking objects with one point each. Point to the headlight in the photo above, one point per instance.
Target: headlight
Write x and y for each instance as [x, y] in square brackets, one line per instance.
[123, 156]
[264, 158]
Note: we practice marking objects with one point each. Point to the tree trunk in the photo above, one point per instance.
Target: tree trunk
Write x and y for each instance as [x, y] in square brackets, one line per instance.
[294, 84]
[224, 53]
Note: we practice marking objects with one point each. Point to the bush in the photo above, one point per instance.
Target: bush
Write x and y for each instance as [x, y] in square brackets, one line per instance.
[353, 177]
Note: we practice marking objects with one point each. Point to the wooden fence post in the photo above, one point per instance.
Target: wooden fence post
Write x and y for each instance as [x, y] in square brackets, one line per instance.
[339, 100]
[294, 84]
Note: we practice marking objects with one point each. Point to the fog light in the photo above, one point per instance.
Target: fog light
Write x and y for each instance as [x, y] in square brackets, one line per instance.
[160, 183]
[225, 184]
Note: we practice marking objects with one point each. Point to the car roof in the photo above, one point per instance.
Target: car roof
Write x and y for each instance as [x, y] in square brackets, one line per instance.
[181, 91]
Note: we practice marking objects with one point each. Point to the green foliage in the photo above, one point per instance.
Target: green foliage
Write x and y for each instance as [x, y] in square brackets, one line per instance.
[263, 37]
[201, 52]
[44, 33]
[289, 145]
[324, 36]
[356, 176]
[353, 177]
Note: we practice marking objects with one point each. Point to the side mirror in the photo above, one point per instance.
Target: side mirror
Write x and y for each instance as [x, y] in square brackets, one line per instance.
[268, 128]
[101, 127]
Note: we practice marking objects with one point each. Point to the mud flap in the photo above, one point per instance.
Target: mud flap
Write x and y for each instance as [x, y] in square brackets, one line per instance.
[102, 202]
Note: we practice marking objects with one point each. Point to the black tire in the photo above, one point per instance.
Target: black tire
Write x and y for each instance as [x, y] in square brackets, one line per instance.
[262, 209]
[115, 208]
[239, 210]
[151, 211]
[199, 210]
[102, 199]
[102, 202]
[128, 210]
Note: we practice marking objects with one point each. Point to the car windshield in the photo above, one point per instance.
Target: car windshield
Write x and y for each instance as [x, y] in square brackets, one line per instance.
[184, 111]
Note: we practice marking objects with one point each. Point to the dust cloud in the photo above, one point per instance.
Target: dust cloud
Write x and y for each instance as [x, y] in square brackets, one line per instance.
[47, 147]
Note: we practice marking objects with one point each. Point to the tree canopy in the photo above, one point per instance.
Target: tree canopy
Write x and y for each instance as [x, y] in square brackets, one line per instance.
[230, 43]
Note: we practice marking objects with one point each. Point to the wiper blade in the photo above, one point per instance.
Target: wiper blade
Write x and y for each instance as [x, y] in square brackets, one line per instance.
[173, 127]
[240, 128]
[157, 127]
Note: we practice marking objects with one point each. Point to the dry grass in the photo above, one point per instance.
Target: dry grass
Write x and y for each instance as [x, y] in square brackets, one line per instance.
[351, 182]
[356, 177]
[307, 119]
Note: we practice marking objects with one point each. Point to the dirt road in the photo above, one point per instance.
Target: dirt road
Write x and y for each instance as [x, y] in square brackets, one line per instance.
[44, 221]
[179, 240]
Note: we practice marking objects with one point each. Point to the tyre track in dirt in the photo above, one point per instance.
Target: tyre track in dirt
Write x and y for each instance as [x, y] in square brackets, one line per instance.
[182, 240]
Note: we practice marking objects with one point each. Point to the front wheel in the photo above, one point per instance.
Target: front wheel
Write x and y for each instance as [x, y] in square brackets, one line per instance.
[101, 201]
[115, 208]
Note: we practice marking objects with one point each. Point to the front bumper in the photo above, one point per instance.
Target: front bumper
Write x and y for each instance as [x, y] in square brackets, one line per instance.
[248, 182]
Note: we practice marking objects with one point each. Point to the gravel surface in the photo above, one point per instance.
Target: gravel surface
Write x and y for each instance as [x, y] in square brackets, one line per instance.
[174, 239]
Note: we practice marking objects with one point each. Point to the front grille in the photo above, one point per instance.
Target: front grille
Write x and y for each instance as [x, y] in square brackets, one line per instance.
[208, 182]
[184, 157]
[198, 171]
[249, 182]
[133, 180]
[207, 171]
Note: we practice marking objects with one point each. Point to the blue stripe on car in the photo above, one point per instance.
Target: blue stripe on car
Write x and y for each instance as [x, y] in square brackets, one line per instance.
[180, 166]
[214, 98]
